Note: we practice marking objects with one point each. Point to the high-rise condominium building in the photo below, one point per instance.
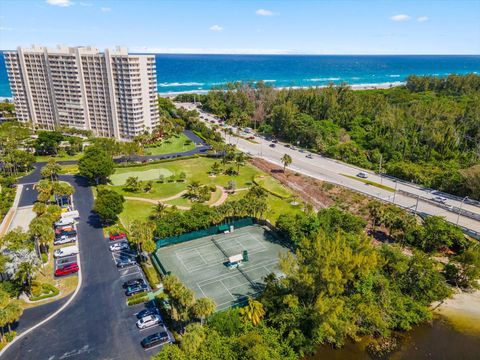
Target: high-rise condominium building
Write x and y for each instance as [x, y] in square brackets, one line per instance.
[111, 93]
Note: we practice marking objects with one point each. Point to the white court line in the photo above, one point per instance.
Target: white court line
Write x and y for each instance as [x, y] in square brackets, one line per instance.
[223, 277]
[179, 259]
[221, 282]
[201, 257]
[222, 260]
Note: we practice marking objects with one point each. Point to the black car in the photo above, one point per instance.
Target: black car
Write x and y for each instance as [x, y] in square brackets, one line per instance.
[124, 262]
[66, 233]
[133, 282]
[136, 289]
[147, 312]
[155, 339]
[272, 145]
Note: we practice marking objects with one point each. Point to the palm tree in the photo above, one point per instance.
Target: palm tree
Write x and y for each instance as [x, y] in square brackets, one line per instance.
[203, 308]
[51, 170]
[159, 211]
[141, 232]
[253, 311]
[240, 160]
[286, 160]
[193, 189]
[61, 189]
[25, 274]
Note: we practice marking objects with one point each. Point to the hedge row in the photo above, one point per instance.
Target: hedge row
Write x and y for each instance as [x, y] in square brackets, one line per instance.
[151, 274]
[53, 291]
[134, 301]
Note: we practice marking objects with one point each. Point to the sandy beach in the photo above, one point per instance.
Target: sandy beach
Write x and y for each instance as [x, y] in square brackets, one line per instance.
[462, 310]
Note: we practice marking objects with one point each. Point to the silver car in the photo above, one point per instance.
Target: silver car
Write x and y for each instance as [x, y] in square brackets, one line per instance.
[148, 321]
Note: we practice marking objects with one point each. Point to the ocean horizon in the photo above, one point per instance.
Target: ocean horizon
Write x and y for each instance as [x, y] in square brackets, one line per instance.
[198, 73]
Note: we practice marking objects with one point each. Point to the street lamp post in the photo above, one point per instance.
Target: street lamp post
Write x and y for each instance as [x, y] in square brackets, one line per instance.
[460, 209]
[395, 192]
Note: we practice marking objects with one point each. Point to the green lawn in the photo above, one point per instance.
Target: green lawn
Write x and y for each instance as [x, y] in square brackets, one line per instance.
[369, 182]
[178, 143]
[183, 201]
[196, 169]
[133, 210]
[273, 186]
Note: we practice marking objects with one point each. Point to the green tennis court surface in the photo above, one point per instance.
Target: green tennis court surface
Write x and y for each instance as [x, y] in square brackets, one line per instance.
[201, 264]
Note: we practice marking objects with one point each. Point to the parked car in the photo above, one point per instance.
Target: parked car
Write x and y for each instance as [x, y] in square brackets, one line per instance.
[274, 141]
[136, 289]
[125, 262]
[148, 321]
[119, 246]
[67, 269]
[362, 175]
[66, 233]
[272, 145]
[147, 312]
[133, 282]
[65, 222]
[117, 236]
[66, 251]
[61, 229]
[440, 199]
[309, 156]
[155, 339]
[64, 240]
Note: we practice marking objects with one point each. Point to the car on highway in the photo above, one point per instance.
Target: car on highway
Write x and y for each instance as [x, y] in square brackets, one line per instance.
[119, 246]
[362, 175]
[148, 321]
[132, 282]
[272, 145]
[440, 199]
[64, 240]
[155, 339]
[274, 141]
[117, 236]
[146, 312]
[66, 251]
[309, 156]
[125, 262]
[67, 269]
[136, 289]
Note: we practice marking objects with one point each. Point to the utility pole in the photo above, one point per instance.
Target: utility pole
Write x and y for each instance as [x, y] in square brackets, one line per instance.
[460, 209]
[416, 205]
[395, 192]
[380, 168]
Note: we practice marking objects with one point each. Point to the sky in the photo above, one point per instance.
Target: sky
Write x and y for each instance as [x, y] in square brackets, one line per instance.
[247, 26]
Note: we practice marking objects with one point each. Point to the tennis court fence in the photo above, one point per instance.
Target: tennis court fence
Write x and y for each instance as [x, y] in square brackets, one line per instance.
[212, 230]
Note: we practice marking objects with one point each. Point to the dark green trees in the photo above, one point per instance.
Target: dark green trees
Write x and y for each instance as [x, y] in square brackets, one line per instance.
[108, 205]
[96, 165]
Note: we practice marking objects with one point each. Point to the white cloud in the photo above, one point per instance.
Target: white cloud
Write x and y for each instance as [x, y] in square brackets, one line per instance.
[216, 28]
[105, 9]
[264, 12]
[400, 18]
[257, 51]
[422, 19]
[62, 3]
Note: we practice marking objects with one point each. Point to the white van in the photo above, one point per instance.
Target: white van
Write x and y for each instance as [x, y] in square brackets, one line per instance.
[66, 251]
[70, 215]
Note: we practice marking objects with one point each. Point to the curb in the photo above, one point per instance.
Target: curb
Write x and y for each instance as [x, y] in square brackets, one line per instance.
[49, 317]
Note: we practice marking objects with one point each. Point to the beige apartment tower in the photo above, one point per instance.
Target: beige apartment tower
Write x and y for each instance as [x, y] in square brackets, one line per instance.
[111, 93]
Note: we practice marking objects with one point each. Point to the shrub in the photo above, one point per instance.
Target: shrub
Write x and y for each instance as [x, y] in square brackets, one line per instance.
[9, 336]
[47, 291]
[135, 301]
[151, 274]
[44, 258]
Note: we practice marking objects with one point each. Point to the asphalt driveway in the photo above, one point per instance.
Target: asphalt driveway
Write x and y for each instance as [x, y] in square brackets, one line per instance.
[97, 324]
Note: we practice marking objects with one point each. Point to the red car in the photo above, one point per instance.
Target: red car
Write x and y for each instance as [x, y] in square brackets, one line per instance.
[66, 269]
[117, 236]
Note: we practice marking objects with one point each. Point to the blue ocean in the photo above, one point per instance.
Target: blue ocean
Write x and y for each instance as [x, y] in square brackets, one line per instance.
[198, 73]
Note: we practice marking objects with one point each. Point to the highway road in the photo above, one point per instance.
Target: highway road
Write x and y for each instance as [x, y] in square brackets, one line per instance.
[336, 172]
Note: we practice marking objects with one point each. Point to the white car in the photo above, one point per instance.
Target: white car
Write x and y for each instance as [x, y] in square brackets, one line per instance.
[65, 240]
[119, 246]
[66, 251]
[362, 175]
[440, 199]
[148, 321]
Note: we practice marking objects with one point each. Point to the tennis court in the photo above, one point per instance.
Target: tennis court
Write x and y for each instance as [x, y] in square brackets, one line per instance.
[201, 264]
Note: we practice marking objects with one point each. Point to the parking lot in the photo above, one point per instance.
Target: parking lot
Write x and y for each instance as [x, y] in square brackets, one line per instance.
[129, 273]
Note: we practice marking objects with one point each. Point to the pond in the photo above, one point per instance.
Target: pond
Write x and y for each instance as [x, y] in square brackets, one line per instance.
[436, 340]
